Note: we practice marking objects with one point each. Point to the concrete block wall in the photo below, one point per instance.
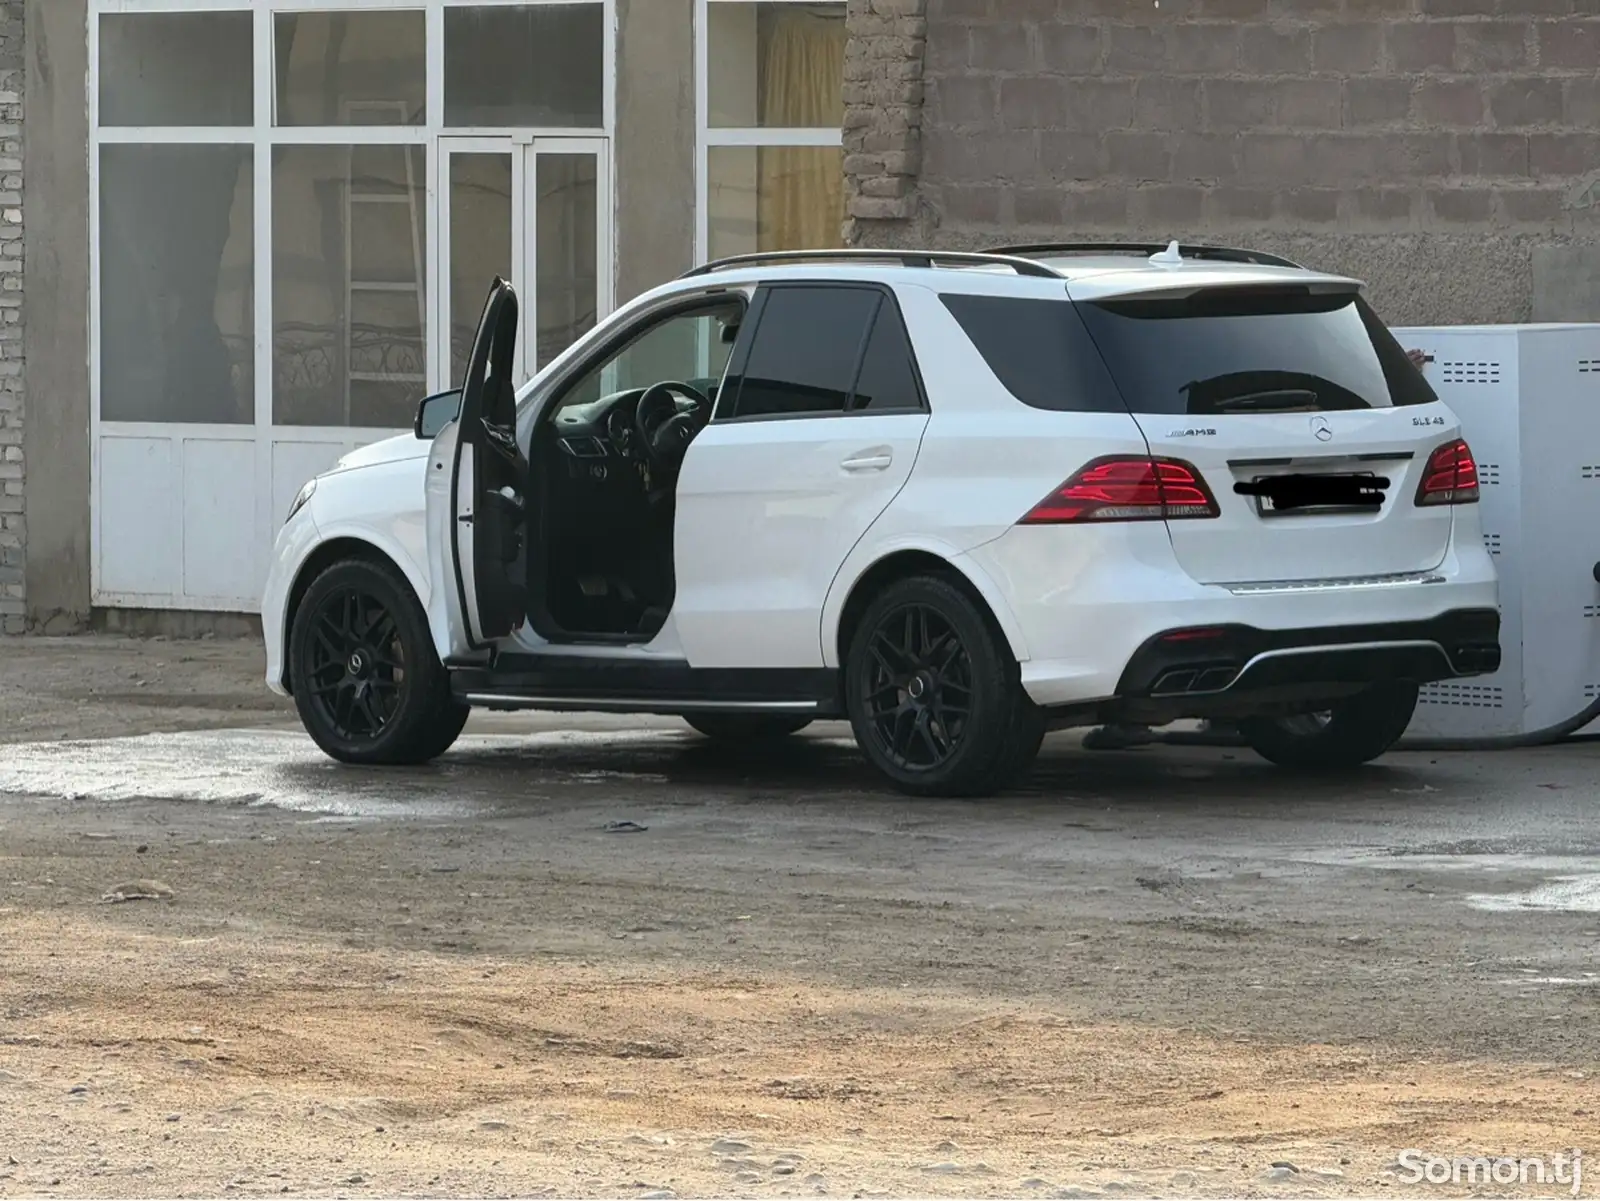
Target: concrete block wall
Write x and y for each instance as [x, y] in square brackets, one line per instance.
[1447, 151]
[883, 106]
[13, 521]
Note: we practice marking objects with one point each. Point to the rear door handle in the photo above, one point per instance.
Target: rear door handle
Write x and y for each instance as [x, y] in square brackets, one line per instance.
[870, 460]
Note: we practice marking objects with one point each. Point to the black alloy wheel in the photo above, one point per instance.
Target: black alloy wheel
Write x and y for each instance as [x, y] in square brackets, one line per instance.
[366, 678]
[934, 692]
[919, 697]
[357, 663]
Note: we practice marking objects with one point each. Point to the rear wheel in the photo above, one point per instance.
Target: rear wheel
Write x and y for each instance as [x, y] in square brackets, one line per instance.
[1354, 731]
[367, 682]
[934, 694]
[746, 727]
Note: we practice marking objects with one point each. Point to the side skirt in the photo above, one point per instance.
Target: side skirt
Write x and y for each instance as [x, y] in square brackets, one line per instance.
[577, 684]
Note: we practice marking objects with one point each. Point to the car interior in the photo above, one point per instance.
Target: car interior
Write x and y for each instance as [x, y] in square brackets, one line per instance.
[604, 471]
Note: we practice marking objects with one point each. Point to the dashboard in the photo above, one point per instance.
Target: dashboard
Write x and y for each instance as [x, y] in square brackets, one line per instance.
[604, 429]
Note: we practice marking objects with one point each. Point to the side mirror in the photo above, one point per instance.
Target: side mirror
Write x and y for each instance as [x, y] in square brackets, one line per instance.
[436, 412]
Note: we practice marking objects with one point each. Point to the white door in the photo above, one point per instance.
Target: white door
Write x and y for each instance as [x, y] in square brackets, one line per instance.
[475, 486]
[816, 432]
[536, 213]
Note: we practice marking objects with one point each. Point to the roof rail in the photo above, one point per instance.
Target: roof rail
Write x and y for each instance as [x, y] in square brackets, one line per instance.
[1021, 264]
[1216, 254]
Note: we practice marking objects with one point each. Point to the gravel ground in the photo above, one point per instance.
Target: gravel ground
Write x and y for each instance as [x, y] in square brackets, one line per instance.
[1156, 971]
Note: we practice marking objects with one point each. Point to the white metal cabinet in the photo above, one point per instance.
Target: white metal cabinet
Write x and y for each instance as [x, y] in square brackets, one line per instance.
[1529, 402]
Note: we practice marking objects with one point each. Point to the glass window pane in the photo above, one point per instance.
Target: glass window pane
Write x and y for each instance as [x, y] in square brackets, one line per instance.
[177, 284]
[348, 300]
[806, 351]
[775, 65]
[775, 198]
[1205, 353]
[567, 290]
[525, 66]
[691, 348]
[1040, 350]
[360, 68]
[480, 245]
[177, 68]
[888, 381]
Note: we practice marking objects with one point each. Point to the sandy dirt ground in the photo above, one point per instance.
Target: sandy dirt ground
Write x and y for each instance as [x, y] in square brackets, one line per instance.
[1152, 972]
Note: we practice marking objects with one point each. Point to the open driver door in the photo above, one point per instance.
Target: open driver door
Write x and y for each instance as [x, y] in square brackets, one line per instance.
[476, 490]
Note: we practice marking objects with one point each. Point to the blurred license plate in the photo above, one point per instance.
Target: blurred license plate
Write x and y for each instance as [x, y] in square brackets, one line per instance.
[1267, 508]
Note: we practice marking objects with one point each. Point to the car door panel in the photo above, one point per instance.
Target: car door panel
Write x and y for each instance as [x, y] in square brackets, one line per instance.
[767, 513]
[474, 493]
[818, 430]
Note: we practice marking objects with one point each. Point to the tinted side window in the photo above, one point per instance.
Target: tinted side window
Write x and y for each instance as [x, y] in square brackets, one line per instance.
[1040, 351]
[888, 380]
[806, 350]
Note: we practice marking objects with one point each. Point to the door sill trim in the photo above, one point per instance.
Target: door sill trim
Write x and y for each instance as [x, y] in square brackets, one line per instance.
[628, 685]
[617, 704]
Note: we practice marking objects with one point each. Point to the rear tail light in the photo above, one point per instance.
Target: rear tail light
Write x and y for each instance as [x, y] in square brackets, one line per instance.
[1451, 477]
[1127, 488]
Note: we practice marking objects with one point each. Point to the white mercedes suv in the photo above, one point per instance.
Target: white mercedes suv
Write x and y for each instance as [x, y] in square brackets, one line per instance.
[956, 499]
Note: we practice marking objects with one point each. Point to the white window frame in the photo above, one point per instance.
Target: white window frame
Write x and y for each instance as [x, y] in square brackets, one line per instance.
[707, 136]
[262, 136]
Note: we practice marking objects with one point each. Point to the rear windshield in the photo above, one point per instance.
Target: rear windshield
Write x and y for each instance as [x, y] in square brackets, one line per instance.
[1233, 350]
[1238, 351]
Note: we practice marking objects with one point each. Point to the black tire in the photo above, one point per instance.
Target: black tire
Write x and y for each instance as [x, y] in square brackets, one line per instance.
[934, 693]
[367, 681]
[746, 727]
[1352, 732]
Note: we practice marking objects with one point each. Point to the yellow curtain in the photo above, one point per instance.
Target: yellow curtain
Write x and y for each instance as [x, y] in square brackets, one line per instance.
[800, 189]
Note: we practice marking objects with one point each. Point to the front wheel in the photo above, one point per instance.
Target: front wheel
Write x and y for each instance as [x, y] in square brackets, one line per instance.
[934, 693]
[1353, 731]
[367, 682]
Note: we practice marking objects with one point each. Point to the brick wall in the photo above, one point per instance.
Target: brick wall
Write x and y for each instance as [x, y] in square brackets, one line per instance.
[1435, 148]
[13, 525]
[883, 98]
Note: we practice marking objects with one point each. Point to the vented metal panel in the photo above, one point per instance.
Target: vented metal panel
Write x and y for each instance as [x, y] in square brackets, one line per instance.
[1526, 399]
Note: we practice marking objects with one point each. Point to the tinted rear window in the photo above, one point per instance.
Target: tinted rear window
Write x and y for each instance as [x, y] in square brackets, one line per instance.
[806, 351]
[887, 380]
[1237, 351]
[1040, 351]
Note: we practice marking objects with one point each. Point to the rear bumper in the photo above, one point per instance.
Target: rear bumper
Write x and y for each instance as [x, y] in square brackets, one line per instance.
[1238, 659]
[1090, 604]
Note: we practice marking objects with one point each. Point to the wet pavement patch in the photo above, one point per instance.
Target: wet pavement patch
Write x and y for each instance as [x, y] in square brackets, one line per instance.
[1567, 894]
[283, 769]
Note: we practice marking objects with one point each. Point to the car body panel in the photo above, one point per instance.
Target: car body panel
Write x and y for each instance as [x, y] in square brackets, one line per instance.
[1243, 544]
[767, 511]
[379, 506]
[1087, 599]
[397, 449]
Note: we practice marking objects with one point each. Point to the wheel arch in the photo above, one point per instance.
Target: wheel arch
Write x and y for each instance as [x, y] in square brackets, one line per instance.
[324, 555]
[847, 601]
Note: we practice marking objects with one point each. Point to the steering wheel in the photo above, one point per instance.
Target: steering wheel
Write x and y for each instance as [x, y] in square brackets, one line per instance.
[664, 432]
